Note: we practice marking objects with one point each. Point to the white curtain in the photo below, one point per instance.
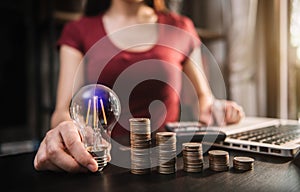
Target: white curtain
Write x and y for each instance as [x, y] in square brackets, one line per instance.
[246, 68]
[241, 55]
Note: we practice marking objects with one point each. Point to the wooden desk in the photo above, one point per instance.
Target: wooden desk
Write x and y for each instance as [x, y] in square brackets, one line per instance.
[269, 174]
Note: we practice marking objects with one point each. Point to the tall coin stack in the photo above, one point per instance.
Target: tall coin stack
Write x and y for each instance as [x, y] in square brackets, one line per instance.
[218, 160]
[192, 157]
[166, 144]
[140, 141]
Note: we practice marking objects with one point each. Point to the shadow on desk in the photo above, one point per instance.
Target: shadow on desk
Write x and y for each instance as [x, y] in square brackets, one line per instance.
[296, 160]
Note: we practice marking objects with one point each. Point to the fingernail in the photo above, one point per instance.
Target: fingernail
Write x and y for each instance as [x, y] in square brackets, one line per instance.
[92, 167]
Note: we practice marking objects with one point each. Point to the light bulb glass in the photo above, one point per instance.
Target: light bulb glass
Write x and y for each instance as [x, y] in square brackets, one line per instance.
[96, 108]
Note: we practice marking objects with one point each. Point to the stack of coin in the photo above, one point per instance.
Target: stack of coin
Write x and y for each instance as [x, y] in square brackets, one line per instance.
[140, 141]
[218, 160]
[243, 163]
[192, 157]
[166, 145]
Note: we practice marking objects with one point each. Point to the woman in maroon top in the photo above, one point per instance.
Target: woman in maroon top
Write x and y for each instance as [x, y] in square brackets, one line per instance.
[143, 64]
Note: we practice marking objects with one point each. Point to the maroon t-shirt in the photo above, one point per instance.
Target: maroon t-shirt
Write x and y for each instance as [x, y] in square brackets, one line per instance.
[148, 82]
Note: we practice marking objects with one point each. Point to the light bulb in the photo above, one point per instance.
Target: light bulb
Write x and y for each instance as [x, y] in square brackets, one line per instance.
[96, 108]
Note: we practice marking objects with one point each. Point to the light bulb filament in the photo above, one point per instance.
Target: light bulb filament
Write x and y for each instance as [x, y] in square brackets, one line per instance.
[88, 113]
[95, 112]
[103, 111]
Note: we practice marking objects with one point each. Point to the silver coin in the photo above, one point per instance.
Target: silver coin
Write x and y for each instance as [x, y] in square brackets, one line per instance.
[243, 159]
[140, 171]
[193, 170]
[191, 145]
[165, 134]
[218, 153]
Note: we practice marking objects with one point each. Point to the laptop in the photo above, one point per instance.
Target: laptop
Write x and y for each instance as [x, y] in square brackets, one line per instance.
[269, 136]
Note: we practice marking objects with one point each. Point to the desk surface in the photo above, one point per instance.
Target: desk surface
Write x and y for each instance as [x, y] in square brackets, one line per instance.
[269, 174]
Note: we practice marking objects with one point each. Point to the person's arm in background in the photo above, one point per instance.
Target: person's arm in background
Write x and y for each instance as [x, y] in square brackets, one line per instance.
[193, 68]
[61, 148]
[70, 59]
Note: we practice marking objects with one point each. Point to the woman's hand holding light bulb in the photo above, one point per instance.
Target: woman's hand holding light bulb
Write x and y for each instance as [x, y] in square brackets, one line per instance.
[62, 150]
[82, 143]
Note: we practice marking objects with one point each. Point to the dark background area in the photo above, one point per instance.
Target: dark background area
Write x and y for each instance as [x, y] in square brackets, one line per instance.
[19, 68]
[28, 33]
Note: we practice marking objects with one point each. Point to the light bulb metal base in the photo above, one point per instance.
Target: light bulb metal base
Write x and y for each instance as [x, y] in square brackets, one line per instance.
[101, 158]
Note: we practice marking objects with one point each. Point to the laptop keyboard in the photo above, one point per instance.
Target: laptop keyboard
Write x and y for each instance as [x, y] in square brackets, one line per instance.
[276, 135]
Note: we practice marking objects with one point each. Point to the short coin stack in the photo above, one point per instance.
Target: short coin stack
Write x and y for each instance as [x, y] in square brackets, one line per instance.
[166, 144]
[192, 157]
[218, 160]
[243, 163]
[140, 141]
